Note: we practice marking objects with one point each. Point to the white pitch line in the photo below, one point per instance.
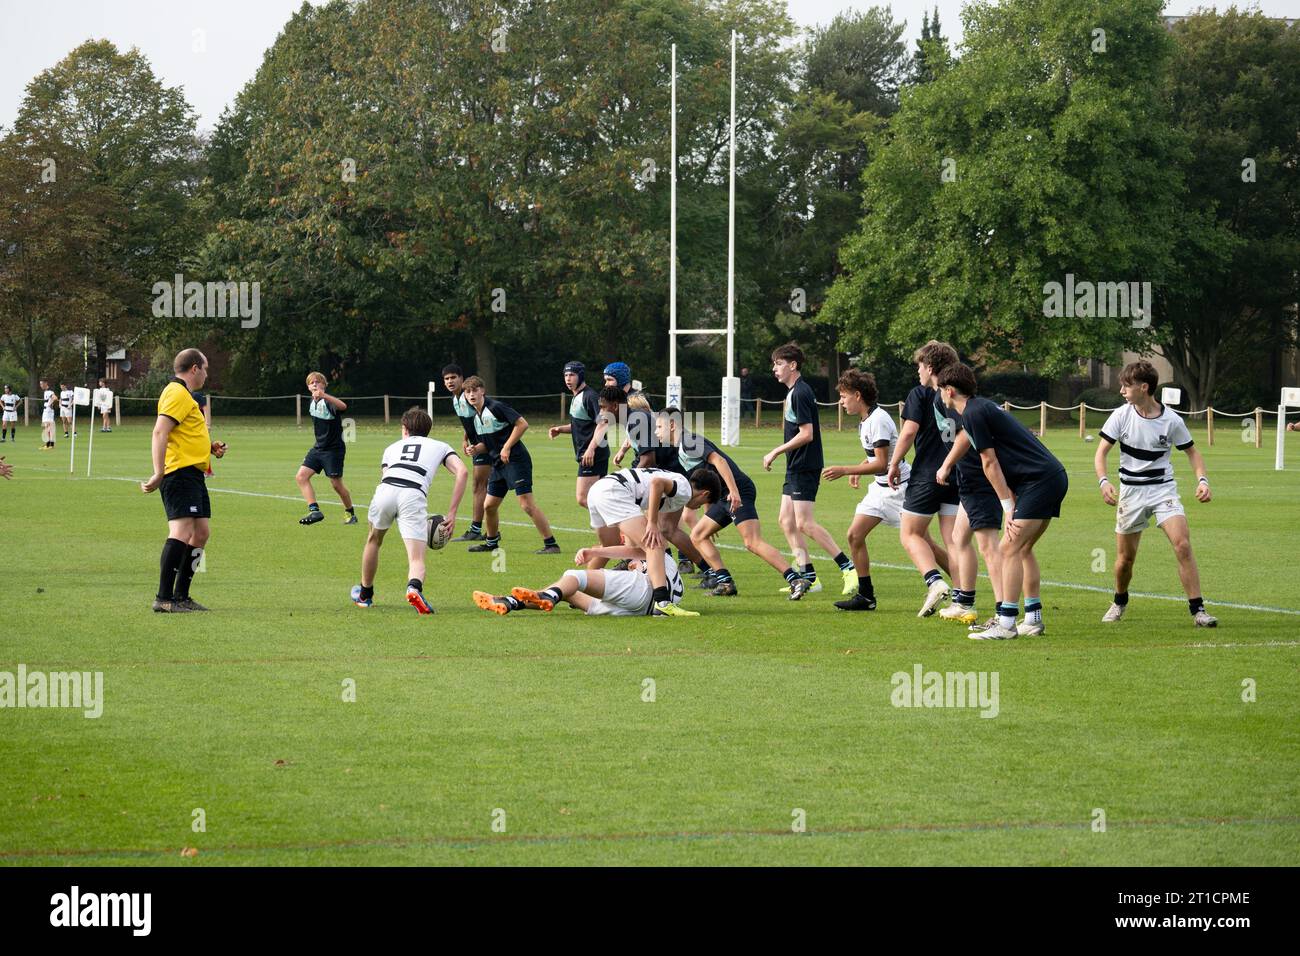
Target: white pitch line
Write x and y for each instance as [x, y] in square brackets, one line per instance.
[1262, 608]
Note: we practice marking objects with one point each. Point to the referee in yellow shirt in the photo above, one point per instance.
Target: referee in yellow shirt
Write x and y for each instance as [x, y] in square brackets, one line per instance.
[181, 451]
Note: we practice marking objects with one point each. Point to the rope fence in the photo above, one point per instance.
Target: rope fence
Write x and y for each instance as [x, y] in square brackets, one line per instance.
[1082, 409]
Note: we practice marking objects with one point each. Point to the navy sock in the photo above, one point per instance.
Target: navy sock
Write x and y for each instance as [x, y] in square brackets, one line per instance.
[313, 507]
[511, 602]
[1195, 604]
[552, 594]
[493, 542]
[790, 575]
[809, 573]
[367, 593]
[660, 594]
[549, 542]
[842, 562]
[476, 527]
[1121, 598]
[864, 586]
[723, 575]
[415, 583]
[931, 576]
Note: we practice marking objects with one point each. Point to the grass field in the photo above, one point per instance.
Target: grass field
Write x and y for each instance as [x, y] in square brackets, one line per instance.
[762, 708]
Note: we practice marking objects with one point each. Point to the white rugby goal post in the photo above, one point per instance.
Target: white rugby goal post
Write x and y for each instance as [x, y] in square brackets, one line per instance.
[730, 428]
[1290, 399]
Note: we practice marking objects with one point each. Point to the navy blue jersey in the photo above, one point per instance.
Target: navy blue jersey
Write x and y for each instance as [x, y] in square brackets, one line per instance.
[493, 426]
[1022, 456]
[935, 431]
[970, 469]
[694, 452]
[640, 430]
[667, 458]
[584, 413]
[329, 429]
[801, 409]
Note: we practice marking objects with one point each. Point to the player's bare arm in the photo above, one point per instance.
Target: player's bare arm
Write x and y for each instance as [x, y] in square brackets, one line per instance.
[1108, 492]
[161, 429]
[555, 430]
[906, 438]
[728, 478]
[960, 445]
[804, 436]
[993, 472]
[1197, 461]
[521, 426]
[461, 475]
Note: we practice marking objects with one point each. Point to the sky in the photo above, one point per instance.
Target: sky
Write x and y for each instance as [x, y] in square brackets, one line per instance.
[212, 48]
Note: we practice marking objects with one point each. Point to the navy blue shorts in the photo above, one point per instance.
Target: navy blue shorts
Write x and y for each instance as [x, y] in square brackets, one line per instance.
[802, 485]
[485, 460]
[598, 468]
[328, 460]
[1042, 497]
[720, 511]
[983, 509]
[925, 496]
[517, 476]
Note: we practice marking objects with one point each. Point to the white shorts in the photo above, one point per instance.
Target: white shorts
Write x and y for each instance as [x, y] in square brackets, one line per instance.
[1139, 503]
[627, 594]
[105, 409]
[47, 415]
[884, 503]
[65, 413]
[407, 505]
[9, 416]
[610, 504]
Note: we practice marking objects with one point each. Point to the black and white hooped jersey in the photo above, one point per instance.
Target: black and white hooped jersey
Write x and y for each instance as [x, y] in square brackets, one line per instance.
[1145, 444]
[65, 402]
[9, 403]
[637, 482]
[879, 435]
[675, 587]
[411, 462]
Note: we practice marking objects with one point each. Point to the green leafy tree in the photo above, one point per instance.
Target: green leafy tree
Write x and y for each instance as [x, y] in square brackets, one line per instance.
[122, 131]
[1234, 85]
[1035, 156]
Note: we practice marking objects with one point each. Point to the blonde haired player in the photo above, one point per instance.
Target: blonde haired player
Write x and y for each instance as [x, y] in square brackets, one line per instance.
[327, 454]
[408, 466]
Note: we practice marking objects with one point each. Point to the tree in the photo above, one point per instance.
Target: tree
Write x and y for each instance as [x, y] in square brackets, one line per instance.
[54, 220]
[932, 54]
[120, 131]
[1234, 86]
[1036, 156]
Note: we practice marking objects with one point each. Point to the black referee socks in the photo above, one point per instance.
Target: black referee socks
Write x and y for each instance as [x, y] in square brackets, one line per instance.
[190, 559]
[173, 555]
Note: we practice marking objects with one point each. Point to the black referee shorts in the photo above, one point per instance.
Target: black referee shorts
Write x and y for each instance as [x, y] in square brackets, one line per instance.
[185, 494]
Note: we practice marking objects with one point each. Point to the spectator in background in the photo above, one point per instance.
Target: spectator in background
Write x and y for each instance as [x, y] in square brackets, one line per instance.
[103, 399]
[746, 392]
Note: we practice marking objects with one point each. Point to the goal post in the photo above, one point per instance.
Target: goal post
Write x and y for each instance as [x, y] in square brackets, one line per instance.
[1290, 398]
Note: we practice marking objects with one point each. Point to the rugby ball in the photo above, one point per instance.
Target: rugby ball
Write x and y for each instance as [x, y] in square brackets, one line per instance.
[437, 537]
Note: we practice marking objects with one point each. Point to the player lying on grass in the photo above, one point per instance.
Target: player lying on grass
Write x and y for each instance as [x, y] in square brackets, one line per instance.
[802, 447]
[626, 593]
[1030, 484]
[695, 452]
[500, 431]
[587, 427]
[327, 454]
[1147, 432]
[881, 504]
[928, 428]
[644, 505]
[453, 379]
[408, 467]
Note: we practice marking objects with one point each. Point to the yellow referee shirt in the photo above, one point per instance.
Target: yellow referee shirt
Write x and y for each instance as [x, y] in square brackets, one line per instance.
[189, 442]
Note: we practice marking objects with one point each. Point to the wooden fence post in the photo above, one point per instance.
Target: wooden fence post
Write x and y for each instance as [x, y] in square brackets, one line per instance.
[839, 417]
[1083, 419]
[1209, 425]
[26, 411]
[207, 410]
[385, 409]
[297, 401]
[1259, 426]
[562, 409]
[758, 410]
[1042, 419]
[117, 408]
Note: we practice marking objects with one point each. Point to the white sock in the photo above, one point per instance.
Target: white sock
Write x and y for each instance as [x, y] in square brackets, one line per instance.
[1008, 620]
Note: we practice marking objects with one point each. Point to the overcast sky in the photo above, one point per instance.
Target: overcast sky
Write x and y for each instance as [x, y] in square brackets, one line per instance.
[38, 33]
